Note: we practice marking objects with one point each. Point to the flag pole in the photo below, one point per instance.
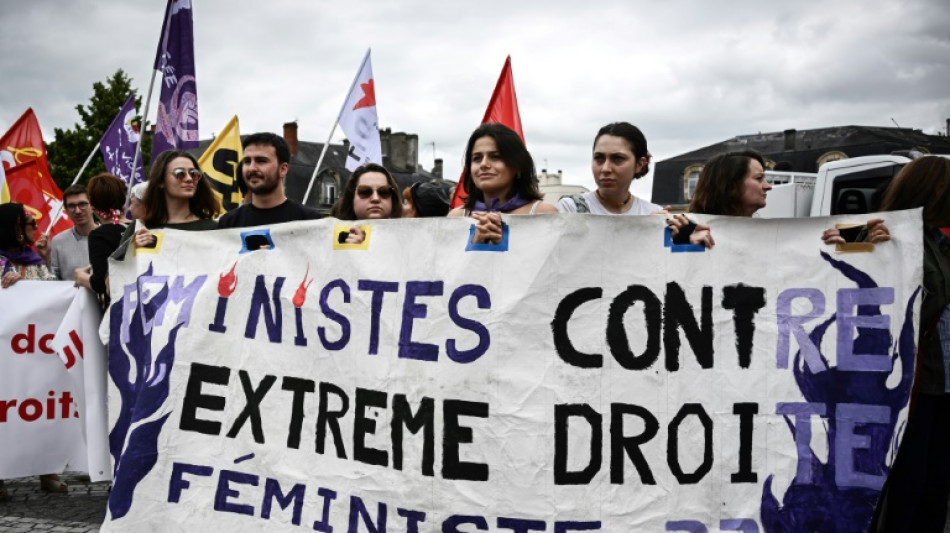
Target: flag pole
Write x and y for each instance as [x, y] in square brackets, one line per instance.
[148, 100]
[319, 161]
[86, 164]
[59, 209]
[333, 129]
[138, 145]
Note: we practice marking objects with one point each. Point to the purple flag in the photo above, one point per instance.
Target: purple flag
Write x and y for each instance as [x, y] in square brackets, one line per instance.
[118, 144]
[177, 125]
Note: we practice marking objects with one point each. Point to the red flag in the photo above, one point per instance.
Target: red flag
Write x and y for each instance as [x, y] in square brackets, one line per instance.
[502, 109]
[23, 157]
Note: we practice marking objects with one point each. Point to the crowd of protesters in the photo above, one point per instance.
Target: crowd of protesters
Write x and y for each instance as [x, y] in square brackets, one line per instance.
[499, 179]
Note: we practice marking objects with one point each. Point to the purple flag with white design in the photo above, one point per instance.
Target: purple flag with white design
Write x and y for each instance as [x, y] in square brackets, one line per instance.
[118, 144]
[176, 127]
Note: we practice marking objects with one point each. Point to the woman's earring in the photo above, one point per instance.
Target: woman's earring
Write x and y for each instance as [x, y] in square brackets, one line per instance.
[19, 238]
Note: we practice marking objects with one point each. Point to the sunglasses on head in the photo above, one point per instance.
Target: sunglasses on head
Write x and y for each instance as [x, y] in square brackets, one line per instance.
[365, 191]
[180, 173]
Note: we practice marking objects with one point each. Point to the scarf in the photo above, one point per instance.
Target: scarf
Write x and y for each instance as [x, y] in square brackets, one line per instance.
[112, 214]
[513, 203]
[25, 256]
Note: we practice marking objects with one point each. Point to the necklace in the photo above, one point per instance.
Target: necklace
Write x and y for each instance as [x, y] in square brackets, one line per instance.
[613, 205]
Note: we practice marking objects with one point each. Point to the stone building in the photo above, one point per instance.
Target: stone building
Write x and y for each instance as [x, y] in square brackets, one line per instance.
[674, 179]
[552, 187]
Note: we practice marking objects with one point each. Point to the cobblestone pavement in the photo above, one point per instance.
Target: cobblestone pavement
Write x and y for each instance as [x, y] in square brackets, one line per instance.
[80, 509]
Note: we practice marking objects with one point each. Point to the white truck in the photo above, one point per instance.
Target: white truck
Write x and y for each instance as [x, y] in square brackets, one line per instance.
[847, 186]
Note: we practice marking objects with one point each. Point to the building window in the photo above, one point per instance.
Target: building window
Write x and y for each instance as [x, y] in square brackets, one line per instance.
[329, 193]
[327, 187]
[690, 179]
[828, 157]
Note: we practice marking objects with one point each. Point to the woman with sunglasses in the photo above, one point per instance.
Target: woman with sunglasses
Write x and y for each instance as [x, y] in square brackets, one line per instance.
[18, 260]
[498, 177]
[177, 197]
[371, 193]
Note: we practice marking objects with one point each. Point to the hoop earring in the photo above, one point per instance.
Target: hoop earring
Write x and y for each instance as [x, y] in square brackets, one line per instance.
[19, 238]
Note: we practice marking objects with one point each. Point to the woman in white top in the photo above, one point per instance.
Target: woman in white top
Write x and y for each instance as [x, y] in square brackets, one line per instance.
[620, 156]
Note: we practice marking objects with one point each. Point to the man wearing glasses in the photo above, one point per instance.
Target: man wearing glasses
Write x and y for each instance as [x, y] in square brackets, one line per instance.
[264, 167]
[69, 250]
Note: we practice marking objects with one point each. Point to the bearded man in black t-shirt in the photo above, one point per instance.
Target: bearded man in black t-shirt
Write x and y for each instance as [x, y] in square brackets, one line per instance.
[264, 167]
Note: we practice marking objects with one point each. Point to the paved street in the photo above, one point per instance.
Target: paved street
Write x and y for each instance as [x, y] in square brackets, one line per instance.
[29, 509]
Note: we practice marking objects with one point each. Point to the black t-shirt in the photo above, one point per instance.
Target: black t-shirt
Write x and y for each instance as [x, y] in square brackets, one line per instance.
[247, 215]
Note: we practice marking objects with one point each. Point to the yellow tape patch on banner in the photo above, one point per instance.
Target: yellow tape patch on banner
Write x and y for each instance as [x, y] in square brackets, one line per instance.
[339, 231]
[160, 237]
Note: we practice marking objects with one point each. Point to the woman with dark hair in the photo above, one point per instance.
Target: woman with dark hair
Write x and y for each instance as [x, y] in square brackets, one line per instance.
[620, 156]
[731, 184]
[177, 197]
[914, 498]
[107, 196]
[18, 260]
[498, 177]
[371, 193]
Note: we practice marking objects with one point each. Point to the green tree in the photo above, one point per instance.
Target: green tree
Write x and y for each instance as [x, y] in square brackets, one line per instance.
[71, 147]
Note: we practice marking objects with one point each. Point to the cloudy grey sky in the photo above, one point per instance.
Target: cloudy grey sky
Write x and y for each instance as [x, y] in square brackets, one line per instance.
[689, 72]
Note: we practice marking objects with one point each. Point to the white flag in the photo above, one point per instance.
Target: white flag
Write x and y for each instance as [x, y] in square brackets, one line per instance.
[358, 119]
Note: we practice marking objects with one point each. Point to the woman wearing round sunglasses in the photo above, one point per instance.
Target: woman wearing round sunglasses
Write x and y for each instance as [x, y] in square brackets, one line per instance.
[371, 193]
[177, 197]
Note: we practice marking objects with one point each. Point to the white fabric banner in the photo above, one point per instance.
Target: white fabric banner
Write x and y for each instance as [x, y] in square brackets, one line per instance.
[84, 356]
[584, 375]
[46, 424]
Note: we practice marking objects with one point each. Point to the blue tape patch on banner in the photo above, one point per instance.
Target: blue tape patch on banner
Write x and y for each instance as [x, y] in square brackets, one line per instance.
[668, 243]
[488, 247]
[258, 239]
